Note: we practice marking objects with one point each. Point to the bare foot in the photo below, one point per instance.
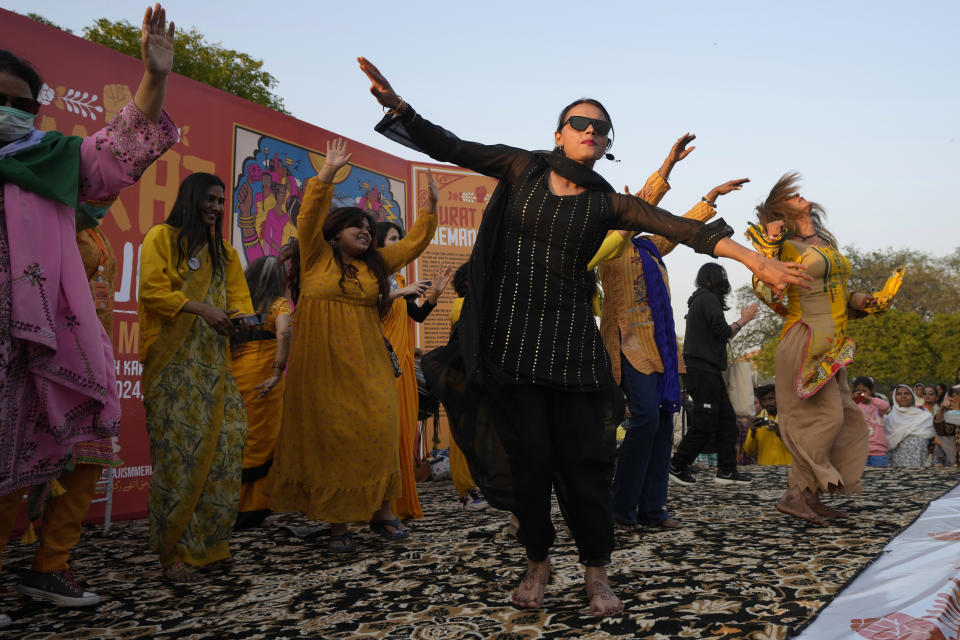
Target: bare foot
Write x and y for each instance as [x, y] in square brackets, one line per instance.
[813, 501]
[529, 595]
[793, 504]
[603, 602]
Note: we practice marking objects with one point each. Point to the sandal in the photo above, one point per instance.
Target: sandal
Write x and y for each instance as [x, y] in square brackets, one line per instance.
[342, 543]
[181, 573]
[379, 527]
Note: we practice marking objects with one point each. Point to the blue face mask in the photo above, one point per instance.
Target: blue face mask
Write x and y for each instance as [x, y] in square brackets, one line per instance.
[14, 124]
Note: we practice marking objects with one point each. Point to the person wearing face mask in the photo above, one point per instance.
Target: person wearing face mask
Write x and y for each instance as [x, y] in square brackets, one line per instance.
[57, 385]
[397, 329]
[528, 370]
[336, 458]
[195, 414]
[820, 423]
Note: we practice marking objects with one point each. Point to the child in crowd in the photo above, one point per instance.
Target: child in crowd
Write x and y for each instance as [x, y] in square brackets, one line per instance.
[873, 410]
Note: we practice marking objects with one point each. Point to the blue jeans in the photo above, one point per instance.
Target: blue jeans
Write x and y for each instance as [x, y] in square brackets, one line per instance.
[876, 461]
[643, 466]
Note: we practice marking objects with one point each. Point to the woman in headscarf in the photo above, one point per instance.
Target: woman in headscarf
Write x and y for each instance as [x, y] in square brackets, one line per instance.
[909, 429]
[57, 384]
[547, 394]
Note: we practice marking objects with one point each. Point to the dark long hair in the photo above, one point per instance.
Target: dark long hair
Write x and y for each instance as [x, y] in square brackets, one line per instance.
[344, 217]
[22, 69]
[290, 259]
[186, 217]
[383, 228]
[265, 279]
[591, 101]
[713, 277]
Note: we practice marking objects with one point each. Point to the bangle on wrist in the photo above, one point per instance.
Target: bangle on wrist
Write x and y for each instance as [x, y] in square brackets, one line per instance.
[739, 326]
[712, 204]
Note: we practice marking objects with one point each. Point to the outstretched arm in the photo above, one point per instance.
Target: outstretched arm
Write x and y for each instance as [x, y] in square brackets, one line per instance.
[421, 233]
[405, 126]
[156, 51]
[316, 204]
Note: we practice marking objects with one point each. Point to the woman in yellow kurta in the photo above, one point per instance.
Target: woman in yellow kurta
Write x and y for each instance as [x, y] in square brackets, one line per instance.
[259, 360]
[337, 455]
[398, 330]
[819, 422]
[195, 415]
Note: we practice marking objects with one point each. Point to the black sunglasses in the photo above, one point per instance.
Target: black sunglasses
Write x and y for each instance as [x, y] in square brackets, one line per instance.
[17, 102]
[580, 123]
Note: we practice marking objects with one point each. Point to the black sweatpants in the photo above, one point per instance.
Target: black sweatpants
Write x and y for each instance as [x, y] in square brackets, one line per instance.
[712, 421]
[558, 439]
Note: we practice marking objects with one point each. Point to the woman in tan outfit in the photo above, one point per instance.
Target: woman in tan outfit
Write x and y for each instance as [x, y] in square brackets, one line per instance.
[819, 422]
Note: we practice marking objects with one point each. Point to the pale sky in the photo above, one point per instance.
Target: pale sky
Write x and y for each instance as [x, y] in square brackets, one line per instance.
[861, 97]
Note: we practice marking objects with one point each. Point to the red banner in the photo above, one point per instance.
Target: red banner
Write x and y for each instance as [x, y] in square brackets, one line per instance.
[264, 158]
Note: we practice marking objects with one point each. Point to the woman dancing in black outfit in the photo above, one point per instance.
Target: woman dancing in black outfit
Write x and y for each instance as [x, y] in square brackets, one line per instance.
[529, 355]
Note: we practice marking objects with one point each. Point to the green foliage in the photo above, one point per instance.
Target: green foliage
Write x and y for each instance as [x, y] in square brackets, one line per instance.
[43, 20]
[944, 339]
[892, 347]
[232, 71]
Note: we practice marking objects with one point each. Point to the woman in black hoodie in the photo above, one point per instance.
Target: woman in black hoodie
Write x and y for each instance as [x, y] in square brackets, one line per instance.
[713, 425]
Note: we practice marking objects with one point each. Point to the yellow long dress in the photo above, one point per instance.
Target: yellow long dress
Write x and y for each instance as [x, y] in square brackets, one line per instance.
[398, 330]
[337, 455]
[252, 364]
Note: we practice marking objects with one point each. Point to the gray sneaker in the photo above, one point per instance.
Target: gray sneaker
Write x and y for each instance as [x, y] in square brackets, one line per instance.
[60, 587]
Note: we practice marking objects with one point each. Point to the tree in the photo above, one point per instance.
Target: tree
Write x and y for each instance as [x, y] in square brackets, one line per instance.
[232, 71]
[892, 347]
[759, 333]
[43, 20]
[931, 285]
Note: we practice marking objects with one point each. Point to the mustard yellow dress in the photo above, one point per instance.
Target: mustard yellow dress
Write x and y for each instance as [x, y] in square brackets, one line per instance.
[398, 330]
[820, 424]
[337, 457]
[252, 365]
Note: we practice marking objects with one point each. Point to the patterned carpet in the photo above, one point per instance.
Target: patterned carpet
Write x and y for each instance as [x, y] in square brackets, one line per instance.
[737, 570]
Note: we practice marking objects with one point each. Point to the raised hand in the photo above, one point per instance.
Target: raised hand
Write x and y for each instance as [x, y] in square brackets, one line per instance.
[379, 86]
[442, 279]
[725, 188]
[433, 193]
[156, 43]
[677, 153]
[679, 149]
[774, 228]
[748, 312]
[337, 157]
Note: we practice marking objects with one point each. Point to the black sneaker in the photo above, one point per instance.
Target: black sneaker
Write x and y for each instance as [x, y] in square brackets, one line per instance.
[733, 477]
[60, 587]
[681, 475]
